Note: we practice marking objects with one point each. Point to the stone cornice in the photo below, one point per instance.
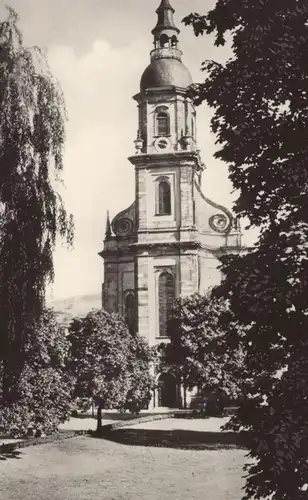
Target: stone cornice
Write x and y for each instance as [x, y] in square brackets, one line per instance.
[165, 244]
[173, 245]
[116, 252]
[168, 229]
[145, 160]
[223, 250]
[159, 91]
[232, 233]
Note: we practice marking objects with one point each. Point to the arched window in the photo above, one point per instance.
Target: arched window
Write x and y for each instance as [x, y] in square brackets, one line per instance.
[164, 41]
[162, 119]
[164, 198]
[166, 295]
[174, 42]
[130, 312]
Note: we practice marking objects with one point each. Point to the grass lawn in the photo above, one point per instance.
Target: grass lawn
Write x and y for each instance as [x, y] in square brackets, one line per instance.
[85, 468]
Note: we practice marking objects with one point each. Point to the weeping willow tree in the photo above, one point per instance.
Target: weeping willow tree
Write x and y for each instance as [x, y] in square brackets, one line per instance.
[32, 212]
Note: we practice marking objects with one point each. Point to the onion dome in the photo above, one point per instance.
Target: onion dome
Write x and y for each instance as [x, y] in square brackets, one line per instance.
[166, 68]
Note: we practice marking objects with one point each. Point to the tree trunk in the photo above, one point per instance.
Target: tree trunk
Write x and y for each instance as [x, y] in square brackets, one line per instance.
[99, 419]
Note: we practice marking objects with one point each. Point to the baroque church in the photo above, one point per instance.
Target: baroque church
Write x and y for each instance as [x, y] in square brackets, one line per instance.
[166, 244]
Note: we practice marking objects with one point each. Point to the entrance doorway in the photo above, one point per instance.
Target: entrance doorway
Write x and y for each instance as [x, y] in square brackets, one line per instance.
[167, 391]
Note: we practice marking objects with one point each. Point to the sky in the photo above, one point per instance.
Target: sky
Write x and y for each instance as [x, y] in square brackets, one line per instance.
[98, 50]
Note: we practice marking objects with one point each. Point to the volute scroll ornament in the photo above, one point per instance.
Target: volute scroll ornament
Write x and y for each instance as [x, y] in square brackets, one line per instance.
[122, 227]
[220, 223]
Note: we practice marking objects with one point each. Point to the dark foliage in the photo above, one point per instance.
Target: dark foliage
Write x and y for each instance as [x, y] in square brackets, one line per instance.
[45, 388]
[260, 100]
[205, 348]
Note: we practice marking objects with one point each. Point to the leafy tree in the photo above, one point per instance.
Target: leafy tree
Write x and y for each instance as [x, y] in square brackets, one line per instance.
[141, 382]
[45, 388]
[205, 347]
[260, 101]
[111, 366]
[32, 118]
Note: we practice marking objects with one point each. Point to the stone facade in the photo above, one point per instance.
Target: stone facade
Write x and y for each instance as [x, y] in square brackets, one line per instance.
[166, 244]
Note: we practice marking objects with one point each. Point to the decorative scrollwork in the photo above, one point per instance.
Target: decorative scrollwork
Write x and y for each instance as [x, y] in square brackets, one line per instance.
[122, 227]
[219, 223]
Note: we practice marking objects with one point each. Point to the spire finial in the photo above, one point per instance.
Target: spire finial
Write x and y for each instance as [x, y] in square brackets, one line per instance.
[165, 4]
[108, 226]
[165, 19]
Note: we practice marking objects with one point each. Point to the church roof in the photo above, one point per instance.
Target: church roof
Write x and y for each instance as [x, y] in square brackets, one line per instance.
[166, 72]
[165, 18]
[166, 68]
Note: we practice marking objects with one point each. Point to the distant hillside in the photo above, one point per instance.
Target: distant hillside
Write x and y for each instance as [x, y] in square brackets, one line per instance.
[67, 309]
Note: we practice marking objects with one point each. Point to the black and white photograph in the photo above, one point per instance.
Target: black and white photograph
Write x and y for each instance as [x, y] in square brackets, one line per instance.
[153, 249]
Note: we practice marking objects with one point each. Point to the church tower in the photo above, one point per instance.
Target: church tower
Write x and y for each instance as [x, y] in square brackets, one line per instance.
[167, 243]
